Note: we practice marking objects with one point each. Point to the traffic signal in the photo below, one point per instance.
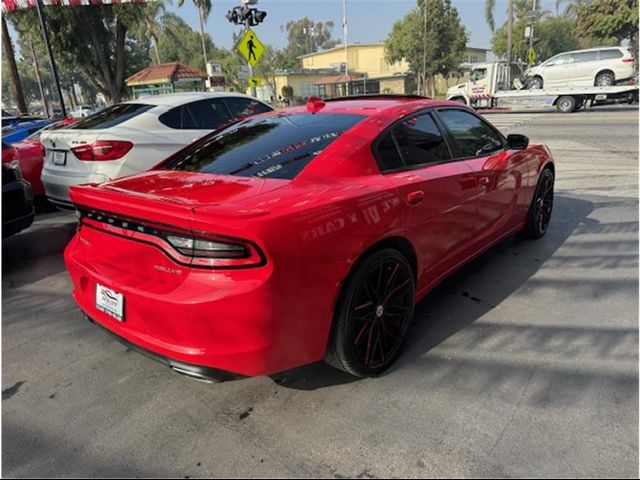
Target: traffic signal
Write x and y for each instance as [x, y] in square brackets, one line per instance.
[232, 16]
[244, 14]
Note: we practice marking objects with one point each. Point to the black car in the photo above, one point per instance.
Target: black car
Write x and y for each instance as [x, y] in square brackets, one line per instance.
[17, 197]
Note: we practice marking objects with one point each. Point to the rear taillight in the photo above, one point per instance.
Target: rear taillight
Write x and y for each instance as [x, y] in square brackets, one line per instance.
[215, 251]
[199, 249]
[102, 150]
[628, 60]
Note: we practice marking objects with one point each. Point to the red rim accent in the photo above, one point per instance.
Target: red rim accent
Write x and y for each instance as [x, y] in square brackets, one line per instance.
[382, 311]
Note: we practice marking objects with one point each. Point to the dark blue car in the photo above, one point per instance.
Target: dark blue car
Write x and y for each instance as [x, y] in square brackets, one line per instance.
[16, 132]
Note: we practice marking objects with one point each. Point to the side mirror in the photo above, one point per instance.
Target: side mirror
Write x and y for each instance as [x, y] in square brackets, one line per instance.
[517, 142]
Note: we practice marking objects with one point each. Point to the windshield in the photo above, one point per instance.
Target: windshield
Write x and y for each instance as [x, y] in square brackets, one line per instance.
[273, 146]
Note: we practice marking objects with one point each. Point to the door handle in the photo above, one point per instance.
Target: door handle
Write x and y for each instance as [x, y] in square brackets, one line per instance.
[415, 198]
[484, 181]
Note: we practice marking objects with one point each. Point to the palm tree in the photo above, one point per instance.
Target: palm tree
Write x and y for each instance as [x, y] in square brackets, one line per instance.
[489, 7]
[204, 9]
[153, 16]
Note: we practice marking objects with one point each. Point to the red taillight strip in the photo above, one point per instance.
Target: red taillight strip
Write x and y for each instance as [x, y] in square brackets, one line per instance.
[629, 60]
[149, 232]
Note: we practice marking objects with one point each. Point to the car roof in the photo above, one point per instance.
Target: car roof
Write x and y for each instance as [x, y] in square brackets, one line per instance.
[592, 49]
[175, 99]
[369, 105]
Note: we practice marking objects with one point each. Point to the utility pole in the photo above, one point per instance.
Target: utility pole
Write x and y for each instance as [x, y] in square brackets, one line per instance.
[13, 68]
[52, 62]
[45, 103]
[346, 50]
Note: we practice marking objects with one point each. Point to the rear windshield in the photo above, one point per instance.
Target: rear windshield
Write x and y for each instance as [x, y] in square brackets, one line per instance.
[611, 53]
[274, 146]
[111, 116]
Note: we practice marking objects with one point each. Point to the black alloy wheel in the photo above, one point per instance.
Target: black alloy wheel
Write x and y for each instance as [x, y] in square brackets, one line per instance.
[374, 314]
[541, 206]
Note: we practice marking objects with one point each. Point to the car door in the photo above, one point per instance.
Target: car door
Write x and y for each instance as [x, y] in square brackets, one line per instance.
[584, 63]
[501, 176]
[556, 71]
[201, 117]
[414, 156]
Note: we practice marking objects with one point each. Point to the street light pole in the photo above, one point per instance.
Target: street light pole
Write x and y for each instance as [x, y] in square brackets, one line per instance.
[52, 62]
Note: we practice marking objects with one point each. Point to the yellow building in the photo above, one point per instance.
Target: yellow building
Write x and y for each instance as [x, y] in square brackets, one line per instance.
[323, 73]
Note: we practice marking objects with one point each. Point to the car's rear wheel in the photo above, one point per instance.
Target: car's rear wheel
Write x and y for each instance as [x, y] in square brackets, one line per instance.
[605, 79]
[541, 206]
[373, 314]
[566, 104]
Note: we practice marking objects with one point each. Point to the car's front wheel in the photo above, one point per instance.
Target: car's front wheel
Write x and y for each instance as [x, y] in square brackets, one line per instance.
[373, 314]
[541, 206]
[535, 83]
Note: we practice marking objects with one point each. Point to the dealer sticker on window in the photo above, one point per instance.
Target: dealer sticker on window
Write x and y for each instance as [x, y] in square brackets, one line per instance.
[110, 302]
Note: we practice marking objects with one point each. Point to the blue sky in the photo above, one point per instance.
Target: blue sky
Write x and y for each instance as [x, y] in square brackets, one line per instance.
[369, 20]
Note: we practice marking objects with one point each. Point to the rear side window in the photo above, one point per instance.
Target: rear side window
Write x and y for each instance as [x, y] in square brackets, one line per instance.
[388, 153]
[201, 115]
[111, 116]
[205, 115]
[471, 135]
[243, 107]
[610, 53]
[420, 142]
[585, 56]
[274, 146]
[415, 141]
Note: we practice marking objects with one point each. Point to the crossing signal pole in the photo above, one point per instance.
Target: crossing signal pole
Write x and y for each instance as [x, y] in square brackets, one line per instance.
[249, 17]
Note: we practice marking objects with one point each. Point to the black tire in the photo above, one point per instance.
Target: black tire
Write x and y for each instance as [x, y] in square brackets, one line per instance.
[541, 206]
[373, 314]
[566, 104]
[535, 83]
[605, 79]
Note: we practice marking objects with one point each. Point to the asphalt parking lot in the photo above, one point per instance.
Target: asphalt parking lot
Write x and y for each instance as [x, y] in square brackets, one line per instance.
[525, 363]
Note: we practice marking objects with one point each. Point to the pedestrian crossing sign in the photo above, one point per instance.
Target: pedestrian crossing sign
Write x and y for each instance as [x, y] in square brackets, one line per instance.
[250, 47]
[255, 82]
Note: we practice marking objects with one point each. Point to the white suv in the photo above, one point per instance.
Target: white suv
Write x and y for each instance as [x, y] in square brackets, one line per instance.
[601, 67]
[132, 137]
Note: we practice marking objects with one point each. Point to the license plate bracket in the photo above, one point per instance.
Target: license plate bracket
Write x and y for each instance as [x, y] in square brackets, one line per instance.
[59, 157]
[110, 302]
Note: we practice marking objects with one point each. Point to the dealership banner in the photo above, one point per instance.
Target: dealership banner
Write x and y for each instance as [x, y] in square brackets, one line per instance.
[9, 5]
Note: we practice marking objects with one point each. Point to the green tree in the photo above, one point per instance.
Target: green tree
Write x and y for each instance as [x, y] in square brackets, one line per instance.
[431, 39]
[152, 24]
[607, 21]
[95, 40]
[204, 9]
[553, 35]
[304, 36]
[12, 69]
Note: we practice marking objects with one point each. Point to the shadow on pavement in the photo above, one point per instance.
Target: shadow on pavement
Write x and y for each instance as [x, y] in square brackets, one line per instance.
[483, 284]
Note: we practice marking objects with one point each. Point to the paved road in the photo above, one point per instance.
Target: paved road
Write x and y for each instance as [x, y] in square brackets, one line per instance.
[525, 363]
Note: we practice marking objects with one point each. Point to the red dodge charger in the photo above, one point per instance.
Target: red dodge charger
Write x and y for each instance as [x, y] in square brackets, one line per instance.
[303, 234]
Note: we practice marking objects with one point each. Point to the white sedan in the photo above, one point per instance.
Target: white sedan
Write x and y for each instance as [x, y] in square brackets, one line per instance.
[132, 137]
